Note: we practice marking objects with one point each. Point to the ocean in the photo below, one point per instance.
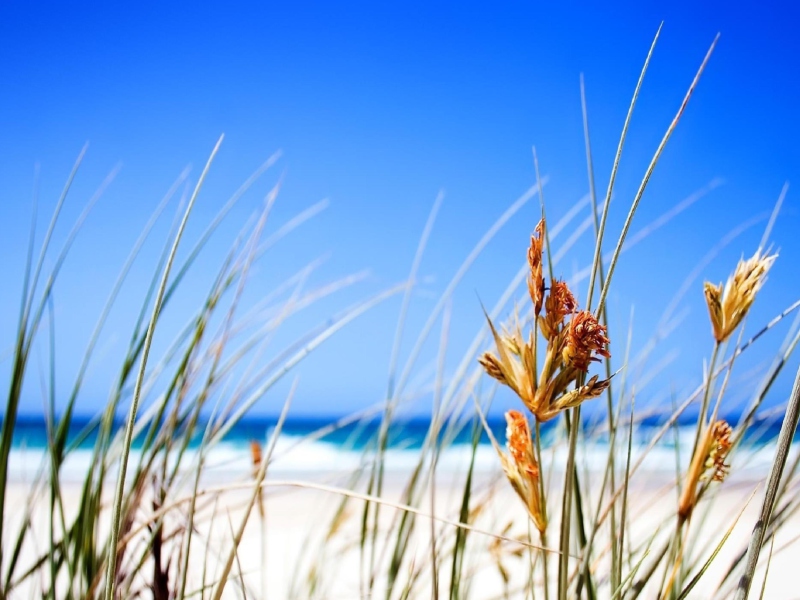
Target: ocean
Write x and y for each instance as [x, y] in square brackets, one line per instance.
[316, 445]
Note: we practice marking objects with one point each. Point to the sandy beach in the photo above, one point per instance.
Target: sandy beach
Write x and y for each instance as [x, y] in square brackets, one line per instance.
[291, 551]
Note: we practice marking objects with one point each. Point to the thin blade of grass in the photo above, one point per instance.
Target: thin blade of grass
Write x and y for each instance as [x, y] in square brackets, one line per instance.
[773, 217]
[607, 202]
[23, 343]
[643, 185]
[459, 546]
[118, 497]
[396, 505]
[566, 505]
[610, 467]
[259, 479]
[375, 475]
[635, 569]
[626, 485]
[766, 571]
[435, 426]
[685, 592]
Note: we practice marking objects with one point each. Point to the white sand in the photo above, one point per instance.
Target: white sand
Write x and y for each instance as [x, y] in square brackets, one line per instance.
[296, 522]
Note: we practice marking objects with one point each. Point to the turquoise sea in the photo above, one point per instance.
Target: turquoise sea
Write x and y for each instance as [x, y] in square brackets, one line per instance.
[322, 445]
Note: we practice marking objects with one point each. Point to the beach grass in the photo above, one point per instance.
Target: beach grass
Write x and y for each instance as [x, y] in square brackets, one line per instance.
[147, 520]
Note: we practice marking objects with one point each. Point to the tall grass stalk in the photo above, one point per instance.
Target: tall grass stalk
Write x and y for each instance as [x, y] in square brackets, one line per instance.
[128, 440]
[785, 437]
[566, 504]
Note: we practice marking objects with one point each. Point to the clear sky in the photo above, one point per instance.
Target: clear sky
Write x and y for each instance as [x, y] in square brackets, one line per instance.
[377, 107]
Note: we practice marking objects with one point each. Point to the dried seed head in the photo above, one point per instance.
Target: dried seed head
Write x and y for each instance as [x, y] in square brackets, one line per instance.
[713, 295]
[513, 365]
[592, 389]
[720, 445]
[492, 366]
[708, 463]
[727, 307]
[255, 456]
[585, 337]
[521, 467]
[535, 279]
[512, 340]
[520, 446]
[559, 303]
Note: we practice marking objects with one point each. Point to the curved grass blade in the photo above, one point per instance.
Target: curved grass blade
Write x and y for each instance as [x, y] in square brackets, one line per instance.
[685, 592]
[118, 495]
[646, 179]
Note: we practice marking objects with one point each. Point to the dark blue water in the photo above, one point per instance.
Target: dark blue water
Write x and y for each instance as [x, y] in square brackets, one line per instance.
[409, 433]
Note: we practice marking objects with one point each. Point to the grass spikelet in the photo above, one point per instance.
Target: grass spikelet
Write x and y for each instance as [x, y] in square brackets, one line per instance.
[521, 468]
[708, 462]
[586, 339]
[255, 458]
[729, 305]
[536, 279]
[560, 303]
[571, 347]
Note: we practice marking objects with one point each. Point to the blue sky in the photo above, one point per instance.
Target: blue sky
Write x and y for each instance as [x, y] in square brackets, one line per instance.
[377, 107]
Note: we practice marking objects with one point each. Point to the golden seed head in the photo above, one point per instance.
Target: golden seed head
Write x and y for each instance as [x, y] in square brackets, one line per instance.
[535, 279]
[713, 295]
[518, 441]
[513, 341]
[521, 467]
[492, 367]
[560, 302]
[591, 389]
[585, 337]
[513, 363]
[708, 463]
[727, 307]
[720, 445]
[255, 453]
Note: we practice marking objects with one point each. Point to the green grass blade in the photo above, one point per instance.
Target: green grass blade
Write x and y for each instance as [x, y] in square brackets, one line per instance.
[646, 179]
[766, 571]
[118, 495]
[685, 592]
[598, 251]
[624, 513]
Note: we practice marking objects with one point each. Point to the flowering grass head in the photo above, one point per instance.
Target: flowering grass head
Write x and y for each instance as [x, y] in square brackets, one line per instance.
[708, 463]
[559, 304]
[521, 468]
[514, 365]
[729, 305]
[535, 278]
[585, 339]
[574, 339]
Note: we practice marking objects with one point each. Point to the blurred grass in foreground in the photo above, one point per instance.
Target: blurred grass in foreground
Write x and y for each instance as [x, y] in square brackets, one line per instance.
[164, 530]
